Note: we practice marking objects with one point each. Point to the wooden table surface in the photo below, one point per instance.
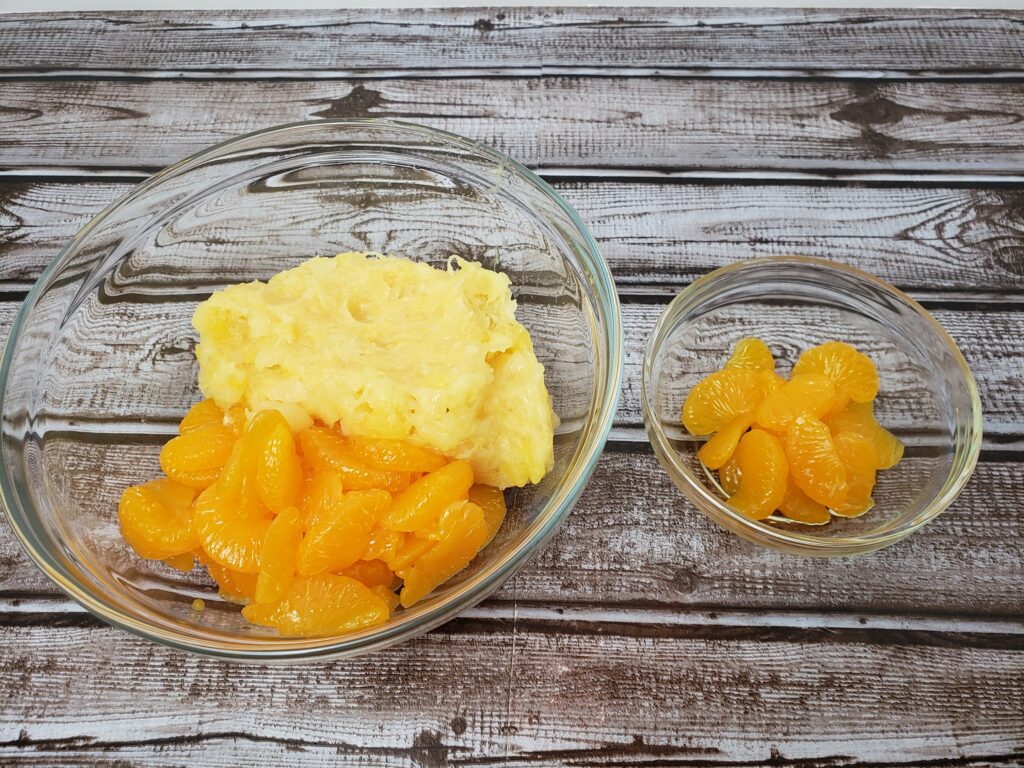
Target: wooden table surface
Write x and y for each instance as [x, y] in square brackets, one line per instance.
[643, 635]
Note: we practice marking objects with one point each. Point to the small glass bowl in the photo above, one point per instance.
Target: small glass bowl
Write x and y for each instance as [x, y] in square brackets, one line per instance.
[100, 363]
[927, 395]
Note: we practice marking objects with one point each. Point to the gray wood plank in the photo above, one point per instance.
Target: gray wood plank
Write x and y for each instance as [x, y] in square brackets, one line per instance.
[720, 40]
[634, 547]
[525, 693]
[158, 359]
[568, 122]
[666, 234]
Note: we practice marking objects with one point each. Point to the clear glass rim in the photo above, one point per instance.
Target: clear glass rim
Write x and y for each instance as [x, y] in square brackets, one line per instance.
[761, 532]
[473, 590]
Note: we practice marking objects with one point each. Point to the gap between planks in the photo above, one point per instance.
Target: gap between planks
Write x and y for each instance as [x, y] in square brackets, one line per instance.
[585, 173]
[612, 616]
[963, 299]
[542, 70]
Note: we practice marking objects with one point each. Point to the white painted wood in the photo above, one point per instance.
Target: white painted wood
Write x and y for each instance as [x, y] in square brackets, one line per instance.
[643, 634]
[659, 236]
[647, 123]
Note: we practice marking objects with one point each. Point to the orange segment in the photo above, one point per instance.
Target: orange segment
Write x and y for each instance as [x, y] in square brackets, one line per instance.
[388, 595]
[411, 549]
[232, 531]
[720, 448]
[806, 394]
[325, 491]
[394, 455]
[233, 586]
[372, 573]
[729, 476]
[201, 414]
[325, 604]
[853, 372]
[196, 457]
[278, 472]
[424, 500]
[184, 562]
[279, 556]
[801, 508]
[492, 503]
[859, 418]
[235, 419]
[384, 544]
[859, 458]
[815, 464]
[325, 449]
[156, 520]
[763, 473]
[721, 397]
[751, 354]
[460, 532]
[342, 534]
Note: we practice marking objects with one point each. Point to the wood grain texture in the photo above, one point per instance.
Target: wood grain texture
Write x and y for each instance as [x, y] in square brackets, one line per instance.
[562, 695]
[159, 361]
[643, 634]
[666, 234]
[647, 551]
[822, 41]
[569, 122]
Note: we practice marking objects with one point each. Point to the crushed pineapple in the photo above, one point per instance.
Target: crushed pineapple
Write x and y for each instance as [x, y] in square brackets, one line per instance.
[388, 348]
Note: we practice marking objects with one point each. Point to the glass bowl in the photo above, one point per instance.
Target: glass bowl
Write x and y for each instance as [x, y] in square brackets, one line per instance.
[100, 364]
[927, 395]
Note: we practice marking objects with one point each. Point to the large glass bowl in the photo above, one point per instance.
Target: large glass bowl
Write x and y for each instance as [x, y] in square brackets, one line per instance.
[100, 363]
[926, 396]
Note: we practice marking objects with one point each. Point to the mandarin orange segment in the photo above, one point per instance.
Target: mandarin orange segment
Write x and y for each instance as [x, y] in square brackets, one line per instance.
[853, 372]
[196, 457]
[184, 562]
[815, 464]
[763, 473]
[388, 595]
[342, 534]
[751, 354]
[279, 556]
[772, 381]
[232, 530]
[460, 532]
[859, 418]
[324, 604]
[235, 419]
[408, 552]
[801, 508]
[860, 458]
[421, 503]
[394, 455]
[202, 413]
[372, 573]
[384, 544]
[888, 447]
[720, 448]
[806, 394]
[324, 492]
[721, 397]
[325, 449]
[491, 501]
[234, 586]
[278, 471]
[236, 472]
[729, 476]
[156, 520]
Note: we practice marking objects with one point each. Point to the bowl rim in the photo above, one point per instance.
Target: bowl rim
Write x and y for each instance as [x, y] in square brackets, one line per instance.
[760, 532]
[455, 601]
